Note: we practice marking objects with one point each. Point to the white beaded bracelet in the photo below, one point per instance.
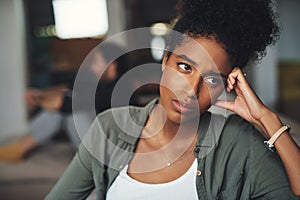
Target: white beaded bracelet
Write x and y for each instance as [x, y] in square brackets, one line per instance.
[270, 143]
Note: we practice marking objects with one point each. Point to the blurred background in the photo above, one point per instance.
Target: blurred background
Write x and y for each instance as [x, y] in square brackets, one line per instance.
[38, 50]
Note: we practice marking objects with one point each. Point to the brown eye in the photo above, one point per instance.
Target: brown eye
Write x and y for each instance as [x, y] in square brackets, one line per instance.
[185, 67]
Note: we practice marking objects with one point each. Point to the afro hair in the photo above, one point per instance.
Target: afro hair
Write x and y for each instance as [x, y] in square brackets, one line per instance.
[244, 27]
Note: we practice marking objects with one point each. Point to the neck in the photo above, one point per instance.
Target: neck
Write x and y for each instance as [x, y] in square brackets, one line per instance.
[165, 130]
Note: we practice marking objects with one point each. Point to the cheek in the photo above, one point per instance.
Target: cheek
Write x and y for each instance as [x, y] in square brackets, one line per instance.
[207, 96]
[173, 81]
[204, 98]
[215, 93]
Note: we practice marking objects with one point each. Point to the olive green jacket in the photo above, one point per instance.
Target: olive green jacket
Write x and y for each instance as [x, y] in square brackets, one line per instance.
[232, 159]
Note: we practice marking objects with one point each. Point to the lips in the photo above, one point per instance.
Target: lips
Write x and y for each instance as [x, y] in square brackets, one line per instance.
[182, 107]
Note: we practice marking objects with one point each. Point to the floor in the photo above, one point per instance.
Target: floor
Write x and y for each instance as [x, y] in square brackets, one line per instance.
[33, 177]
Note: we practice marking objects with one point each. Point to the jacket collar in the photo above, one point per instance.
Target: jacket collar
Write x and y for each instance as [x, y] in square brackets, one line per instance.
[138, 116]
[210, 128]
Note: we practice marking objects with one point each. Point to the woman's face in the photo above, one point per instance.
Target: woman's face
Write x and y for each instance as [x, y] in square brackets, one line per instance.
[193, 77]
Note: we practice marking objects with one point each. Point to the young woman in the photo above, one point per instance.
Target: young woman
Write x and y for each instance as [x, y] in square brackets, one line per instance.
[173, 148]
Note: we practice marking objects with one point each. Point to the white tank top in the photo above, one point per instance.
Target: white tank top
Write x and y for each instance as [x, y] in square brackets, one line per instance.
[127, 188]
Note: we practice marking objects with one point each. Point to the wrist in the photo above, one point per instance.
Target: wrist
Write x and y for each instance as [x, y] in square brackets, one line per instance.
[271, 122]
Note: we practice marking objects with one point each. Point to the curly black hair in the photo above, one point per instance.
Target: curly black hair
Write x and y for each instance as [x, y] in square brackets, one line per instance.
[244, 27]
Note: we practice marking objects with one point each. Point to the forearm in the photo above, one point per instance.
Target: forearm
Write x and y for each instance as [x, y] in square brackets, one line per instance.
[286, 148]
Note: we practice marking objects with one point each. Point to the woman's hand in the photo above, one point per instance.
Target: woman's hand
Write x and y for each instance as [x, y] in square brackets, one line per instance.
[249, 107]
[246, 103]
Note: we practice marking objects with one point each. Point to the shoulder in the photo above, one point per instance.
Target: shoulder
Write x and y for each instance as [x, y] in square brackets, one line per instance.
[127, 119]
[240, 139]
[121, 117]
[264, 163]
[238, 156]
[241, 131]
[115, 121]
[246, 138]
[114, 131]
[232, 129]
[235, 123]
[108, 129]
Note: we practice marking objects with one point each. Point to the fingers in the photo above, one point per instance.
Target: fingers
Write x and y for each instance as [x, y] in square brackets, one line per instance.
[237, 74]
[235, 77]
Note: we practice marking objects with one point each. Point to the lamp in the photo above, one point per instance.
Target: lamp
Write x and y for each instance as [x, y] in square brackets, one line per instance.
[80, 18]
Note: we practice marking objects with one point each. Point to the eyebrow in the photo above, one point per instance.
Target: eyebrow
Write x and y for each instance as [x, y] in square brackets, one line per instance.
[218, 74]
[185, 57]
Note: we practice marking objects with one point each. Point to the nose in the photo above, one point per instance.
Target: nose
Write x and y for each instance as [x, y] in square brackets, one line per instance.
[193, 87]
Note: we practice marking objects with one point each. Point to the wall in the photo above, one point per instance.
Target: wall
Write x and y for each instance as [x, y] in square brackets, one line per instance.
[265, 75]
[289, 44]
[117, 19]
[12, 65]
[265, 82]
[13, 62]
